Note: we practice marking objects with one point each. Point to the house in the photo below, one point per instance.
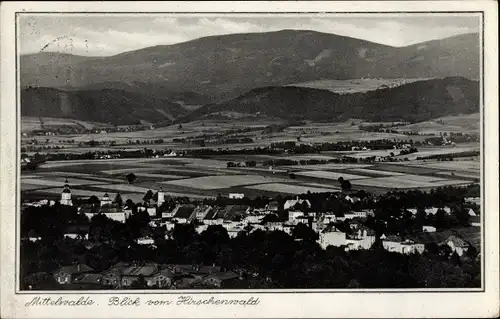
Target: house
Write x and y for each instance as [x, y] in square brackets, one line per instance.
[66, 274]
[397, 244]
[294, 215]
[289, 204]
[473, 200]
[201, 211]
[162, 278]
[76, 236]
[33, 236]
[212, 218]
[114, 213]
[220, 279]
[331, 236]
[428, 229]
[434, 210]
[145, 241]
[329, 218]
[132, 273]
[236, 195]
[456, 244]
[89, 279]
[471, 212]
[151, 211]
[363, 238]
[106, 200]
[184, 213]
[232, 212]
[475, 221]
[272, 206]
[411, 247]
[253, 219]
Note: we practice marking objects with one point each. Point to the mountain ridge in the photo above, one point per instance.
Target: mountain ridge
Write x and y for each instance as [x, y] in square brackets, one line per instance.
[225, 66]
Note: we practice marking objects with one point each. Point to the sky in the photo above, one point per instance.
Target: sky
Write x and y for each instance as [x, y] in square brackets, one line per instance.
[105, 35]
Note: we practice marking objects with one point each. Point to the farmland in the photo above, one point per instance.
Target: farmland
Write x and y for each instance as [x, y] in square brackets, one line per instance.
[210, 175]
[355, 85]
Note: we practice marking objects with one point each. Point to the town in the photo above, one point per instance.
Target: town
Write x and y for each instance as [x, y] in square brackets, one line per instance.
[323, 239]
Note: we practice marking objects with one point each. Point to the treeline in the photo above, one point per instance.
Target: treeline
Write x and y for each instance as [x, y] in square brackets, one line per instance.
[449, 157]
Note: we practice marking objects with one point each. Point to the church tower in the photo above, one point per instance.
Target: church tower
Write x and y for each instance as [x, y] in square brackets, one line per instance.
[161, 196]
[66, 195]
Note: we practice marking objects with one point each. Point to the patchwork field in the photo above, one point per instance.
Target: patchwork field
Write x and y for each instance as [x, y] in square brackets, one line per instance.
[406, 181]
[355, 85]
[200, 178]
[290, 189]
[216, 182]
[329, 175]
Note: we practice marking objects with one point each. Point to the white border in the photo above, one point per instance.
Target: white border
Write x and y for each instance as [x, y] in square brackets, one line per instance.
[338, 304]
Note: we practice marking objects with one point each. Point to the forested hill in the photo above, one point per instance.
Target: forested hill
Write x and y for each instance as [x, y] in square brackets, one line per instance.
[107, 106]
[417, 101]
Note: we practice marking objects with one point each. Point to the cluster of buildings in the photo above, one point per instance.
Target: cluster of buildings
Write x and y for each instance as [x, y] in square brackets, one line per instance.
[244, 218]
[146, 275]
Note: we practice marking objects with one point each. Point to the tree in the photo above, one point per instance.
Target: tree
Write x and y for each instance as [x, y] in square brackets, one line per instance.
[292, 176]
[346, 186]
[304, 232]
[148, 196]
[94, 200]
[118, 200]
[340, 180]
[131, 178]
[129, 203]
[179, 127]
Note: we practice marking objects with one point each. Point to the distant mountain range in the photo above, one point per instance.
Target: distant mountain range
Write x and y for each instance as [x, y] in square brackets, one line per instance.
[417, 101]
[229, 65]
[246, 73]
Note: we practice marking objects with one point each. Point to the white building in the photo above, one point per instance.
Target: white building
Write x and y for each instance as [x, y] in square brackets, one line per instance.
[428, 229]
[66, 195]
[331, 236]
[236, 195]
[151, 211]
[105, 200]
[293, 216]
[161, 197]
[456, 244]
[395, 244]
[434, 210]
[292, 202]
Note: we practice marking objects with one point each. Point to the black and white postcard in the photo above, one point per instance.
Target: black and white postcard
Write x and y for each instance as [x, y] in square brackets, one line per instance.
[249, 159]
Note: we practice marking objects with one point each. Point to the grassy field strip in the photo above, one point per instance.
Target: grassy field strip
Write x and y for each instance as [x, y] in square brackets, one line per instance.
[128, 170]
[327, 166]
[289, 189]
[330, 175]
[458, 174]
[28, 186]
[318, 185]
[162, 176]
[122, 188]
[407, 181]
[225, 181]
[59, 164]
[80, 175]
[58, 183]
[75, 192]
[374, 172]
[455, 165]
[28, 176]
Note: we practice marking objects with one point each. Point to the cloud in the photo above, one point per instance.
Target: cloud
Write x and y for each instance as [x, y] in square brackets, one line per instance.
[97, 35]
